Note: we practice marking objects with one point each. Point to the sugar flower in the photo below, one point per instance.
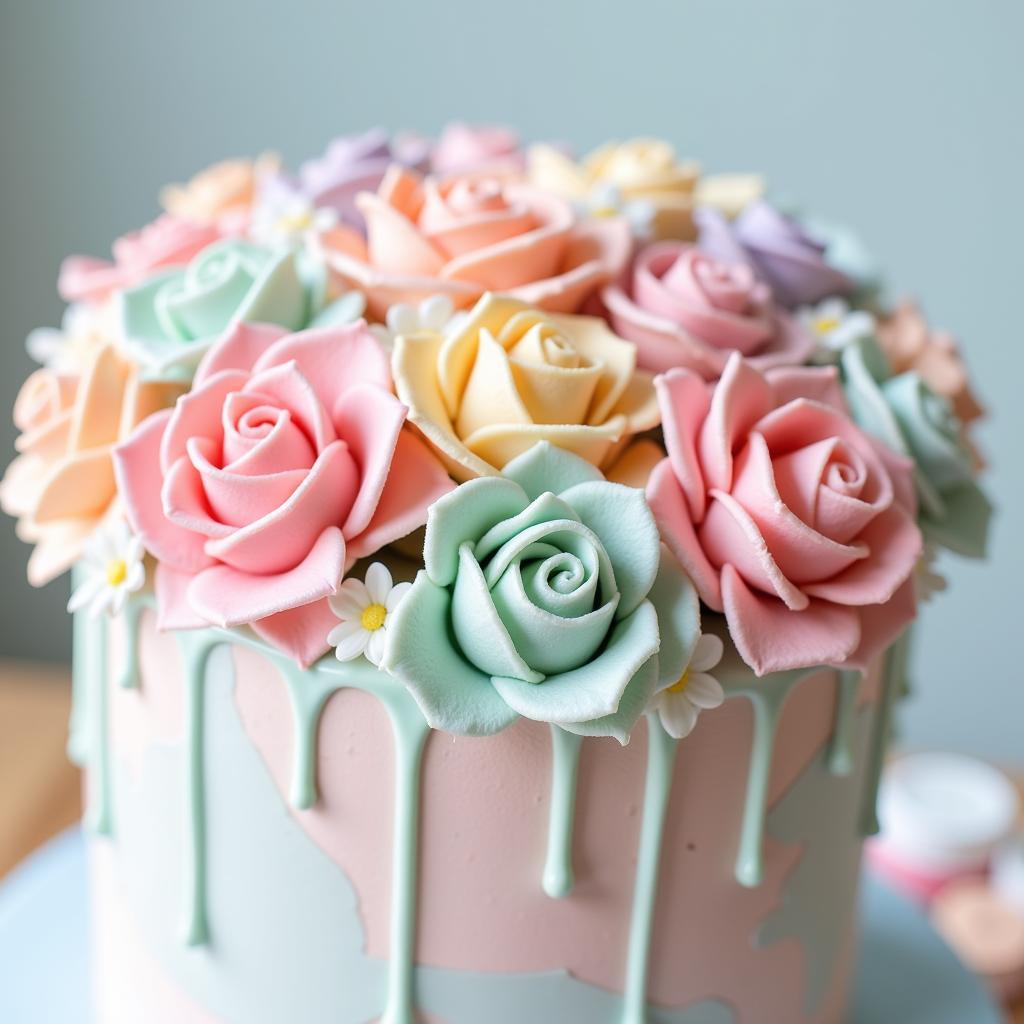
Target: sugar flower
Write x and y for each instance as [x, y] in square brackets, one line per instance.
[696, 690]
[778, 248]
[365, 609]
[545, 593]
[507, 375]
[640, 171]
[112, 569]
[464, 235]
[683, 307]
[908, 416]
[834, 325]
[287, 462]
[788, 517]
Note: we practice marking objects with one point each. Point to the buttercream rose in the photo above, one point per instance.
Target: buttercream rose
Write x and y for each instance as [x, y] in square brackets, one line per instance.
[786, 515]
[545, 593]
[685, 308]
[352, 164]
[910, 343]
[643, 171]
[507, 376]
[778, 249]
[171, 319]
[222, 194]
[167, 242]
[466, 148]
[61, 485]
[464, 235]
[286, 462]
[905, 413]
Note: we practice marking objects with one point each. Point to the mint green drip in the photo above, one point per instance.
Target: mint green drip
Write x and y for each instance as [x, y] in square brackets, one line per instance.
[840, 749]
[82, 672]
[129, 676]
[195, 648]
[661, 755]
[309, 691]
[893, 673]
[99, 817]
[558, 876]
[767, 697]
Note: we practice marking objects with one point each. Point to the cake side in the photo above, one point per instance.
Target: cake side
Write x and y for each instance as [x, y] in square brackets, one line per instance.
[321, 882]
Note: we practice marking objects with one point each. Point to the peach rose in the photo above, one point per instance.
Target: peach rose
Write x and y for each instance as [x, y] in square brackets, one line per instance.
[787, 517]
[462, 236]
[911, 344]
[507, 376]
[641, 171]
[684, 308]
[61, 485]
[222, 192]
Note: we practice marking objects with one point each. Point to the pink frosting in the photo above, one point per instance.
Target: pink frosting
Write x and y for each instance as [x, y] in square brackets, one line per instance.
[468, 234]
[788, 518]
[687, 309]
[464, 148]
[286, 462]
[166, 242]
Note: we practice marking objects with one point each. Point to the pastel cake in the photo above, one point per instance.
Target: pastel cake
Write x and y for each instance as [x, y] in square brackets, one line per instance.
[492, 574]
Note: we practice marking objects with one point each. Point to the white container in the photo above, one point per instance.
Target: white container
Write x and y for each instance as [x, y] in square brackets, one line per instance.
[944, 812]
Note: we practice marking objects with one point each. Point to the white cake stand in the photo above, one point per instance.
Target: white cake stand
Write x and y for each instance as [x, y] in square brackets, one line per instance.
[906, 974]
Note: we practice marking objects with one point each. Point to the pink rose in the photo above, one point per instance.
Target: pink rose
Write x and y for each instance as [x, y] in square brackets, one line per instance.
[788, 518]
[464, 236]
[687, 309]
[464, 148]
[166, 242]
[287, 461]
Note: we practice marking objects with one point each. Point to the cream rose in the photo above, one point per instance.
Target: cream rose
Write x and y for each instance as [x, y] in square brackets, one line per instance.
[506, 376]
[642, 171]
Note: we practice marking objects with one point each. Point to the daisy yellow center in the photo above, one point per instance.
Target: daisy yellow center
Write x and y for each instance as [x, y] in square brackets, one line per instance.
[117, 570]
[295, 222]
[826, 324]
[684, 680]
[373, 617]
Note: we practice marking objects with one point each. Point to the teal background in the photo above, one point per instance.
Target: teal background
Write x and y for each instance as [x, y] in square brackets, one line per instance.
[903, 119]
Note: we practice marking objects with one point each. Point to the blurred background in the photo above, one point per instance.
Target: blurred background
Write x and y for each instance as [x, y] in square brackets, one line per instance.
[901, 119]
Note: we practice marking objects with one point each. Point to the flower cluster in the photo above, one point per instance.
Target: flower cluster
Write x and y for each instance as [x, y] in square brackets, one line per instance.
[536, 435]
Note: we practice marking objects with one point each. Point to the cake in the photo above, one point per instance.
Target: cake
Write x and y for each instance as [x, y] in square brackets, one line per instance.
[491, 577]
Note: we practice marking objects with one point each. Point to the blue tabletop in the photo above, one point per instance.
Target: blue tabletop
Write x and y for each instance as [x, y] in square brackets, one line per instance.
[906, 973]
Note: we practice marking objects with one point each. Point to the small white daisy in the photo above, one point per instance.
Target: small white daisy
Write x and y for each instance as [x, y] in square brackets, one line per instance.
[289, 218]
[928, 581]
[833, 325]
[364, 609]
[605, 200]
[434, 313]
[113, 569]
[679, 705]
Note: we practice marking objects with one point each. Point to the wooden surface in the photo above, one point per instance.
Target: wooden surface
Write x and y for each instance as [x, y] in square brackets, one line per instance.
[40, 791]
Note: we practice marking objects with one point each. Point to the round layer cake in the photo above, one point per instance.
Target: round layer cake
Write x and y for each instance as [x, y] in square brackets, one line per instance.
[283, 844]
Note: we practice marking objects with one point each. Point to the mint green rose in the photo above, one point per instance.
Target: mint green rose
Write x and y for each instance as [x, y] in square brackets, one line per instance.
[171, 319]
[913, 420]
[546, 593]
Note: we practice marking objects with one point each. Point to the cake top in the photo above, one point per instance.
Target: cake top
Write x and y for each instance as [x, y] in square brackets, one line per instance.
[536, 435]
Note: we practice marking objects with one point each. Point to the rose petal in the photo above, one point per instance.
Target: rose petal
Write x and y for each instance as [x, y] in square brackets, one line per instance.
[300, 632]
[684, 400]
[238, 349]
[139, 483]
[773, 638]
[230, 597]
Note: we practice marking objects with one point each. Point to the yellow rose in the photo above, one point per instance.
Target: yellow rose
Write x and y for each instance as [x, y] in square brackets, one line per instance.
[506, 376]
[644, 174]
[226, 189]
